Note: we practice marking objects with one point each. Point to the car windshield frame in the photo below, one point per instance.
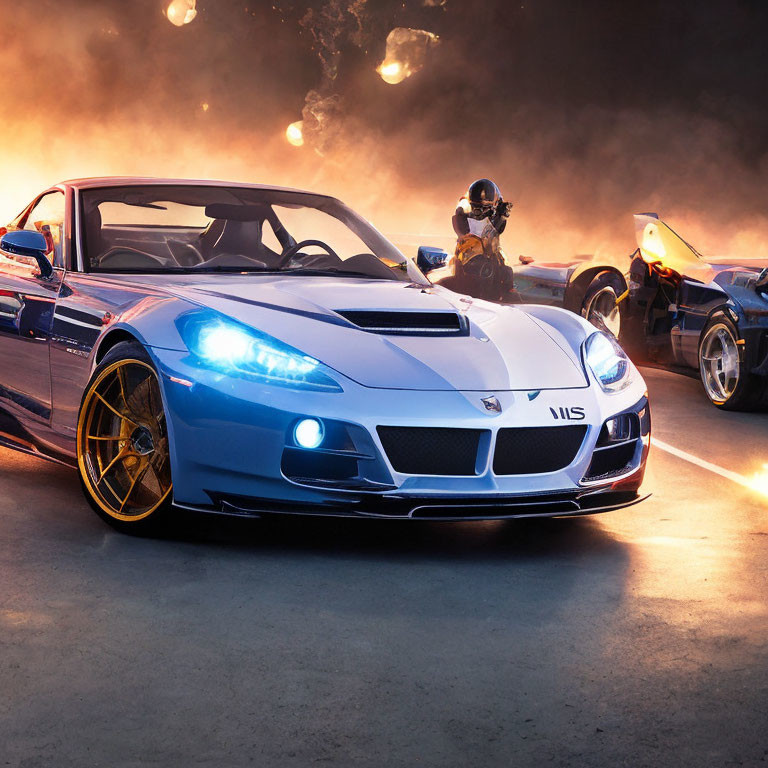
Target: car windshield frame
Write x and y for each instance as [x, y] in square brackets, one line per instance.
[143, 195]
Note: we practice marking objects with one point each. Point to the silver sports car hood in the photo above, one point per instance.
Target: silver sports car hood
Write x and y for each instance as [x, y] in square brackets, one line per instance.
[504, 348]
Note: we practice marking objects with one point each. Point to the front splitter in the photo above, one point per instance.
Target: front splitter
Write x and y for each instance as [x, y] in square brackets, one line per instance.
[568, 504]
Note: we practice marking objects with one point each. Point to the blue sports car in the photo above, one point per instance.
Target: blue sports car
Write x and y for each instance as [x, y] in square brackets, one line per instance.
[247, 350]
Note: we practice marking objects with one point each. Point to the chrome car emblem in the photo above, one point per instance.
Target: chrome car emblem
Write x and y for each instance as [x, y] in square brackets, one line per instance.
[492, 404]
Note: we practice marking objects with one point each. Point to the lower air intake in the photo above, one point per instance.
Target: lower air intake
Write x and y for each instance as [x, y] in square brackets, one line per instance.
[611, 461]
[431, 450]
[533, 450]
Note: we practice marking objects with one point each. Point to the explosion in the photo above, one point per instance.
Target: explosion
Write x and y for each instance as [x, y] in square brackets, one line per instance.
[295, 133]
[181, 12]
[406, 53]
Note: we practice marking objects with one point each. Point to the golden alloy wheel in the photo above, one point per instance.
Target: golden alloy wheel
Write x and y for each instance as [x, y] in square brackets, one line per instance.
[122, 441]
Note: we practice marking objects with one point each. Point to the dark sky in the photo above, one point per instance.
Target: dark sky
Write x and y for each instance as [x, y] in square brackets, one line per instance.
[707, 59]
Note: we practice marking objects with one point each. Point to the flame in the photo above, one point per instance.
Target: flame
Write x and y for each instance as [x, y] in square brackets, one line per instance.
[392, 72]
[406, 53]
[205, 106]
[759, 481]
[295, 133]
[181, 12]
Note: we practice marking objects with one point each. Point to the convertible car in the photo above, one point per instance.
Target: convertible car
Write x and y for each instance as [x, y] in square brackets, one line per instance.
[670, 306]
[250, 350]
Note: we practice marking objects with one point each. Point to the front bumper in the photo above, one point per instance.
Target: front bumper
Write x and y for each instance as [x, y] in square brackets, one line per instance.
[232, 451]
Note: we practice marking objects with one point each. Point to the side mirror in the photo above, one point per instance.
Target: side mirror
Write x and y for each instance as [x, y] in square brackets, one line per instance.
[430, 258]
[24, 242]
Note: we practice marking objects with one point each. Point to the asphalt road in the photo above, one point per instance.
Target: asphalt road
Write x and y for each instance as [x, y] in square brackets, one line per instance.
[636, 638]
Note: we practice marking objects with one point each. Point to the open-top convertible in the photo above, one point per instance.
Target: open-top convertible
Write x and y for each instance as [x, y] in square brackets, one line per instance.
[249, 350]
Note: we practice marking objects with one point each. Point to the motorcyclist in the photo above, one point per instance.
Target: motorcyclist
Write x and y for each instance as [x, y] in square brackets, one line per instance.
[480, 218]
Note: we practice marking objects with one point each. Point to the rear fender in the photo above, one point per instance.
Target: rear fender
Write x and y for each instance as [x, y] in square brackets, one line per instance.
[581, 277]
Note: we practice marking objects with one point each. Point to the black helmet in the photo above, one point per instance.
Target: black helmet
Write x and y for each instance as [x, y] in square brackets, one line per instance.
[483, 195]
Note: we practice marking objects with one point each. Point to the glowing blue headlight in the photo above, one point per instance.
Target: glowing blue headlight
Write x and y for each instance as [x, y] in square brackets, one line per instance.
[240, 351]
[607, 360]
[220, 343]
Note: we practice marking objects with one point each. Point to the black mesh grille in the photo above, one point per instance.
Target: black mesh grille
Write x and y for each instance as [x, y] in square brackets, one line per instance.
[405, 322]
[531, 450]
[431, 450]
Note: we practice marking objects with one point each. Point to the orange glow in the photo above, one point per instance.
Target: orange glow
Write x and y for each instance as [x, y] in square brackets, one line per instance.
[759, 481]
[181, 12]
[295, 133]
[652, 246]
[392, 72]
[406, 53]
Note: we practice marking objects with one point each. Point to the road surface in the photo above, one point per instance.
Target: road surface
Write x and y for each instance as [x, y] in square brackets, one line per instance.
[635, 638]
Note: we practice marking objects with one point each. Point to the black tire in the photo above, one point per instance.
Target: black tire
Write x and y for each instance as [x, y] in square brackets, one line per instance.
[729, 385]
[605, 289]
[122, 438]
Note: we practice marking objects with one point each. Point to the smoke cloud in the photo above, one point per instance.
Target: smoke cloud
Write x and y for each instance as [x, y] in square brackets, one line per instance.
[583, 113]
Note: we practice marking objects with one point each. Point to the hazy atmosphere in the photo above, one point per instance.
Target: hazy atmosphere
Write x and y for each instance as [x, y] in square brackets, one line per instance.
[584, 112]
[273, 495]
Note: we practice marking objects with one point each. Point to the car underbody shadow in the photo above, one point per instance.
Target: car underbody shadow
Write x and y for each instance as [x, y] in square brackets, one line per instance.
[483, 540]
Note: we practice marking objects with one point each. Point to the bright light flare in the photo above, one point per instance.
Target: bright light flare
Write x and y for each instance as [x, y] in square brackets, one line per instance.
[652, 245]
[406, 53]
[392, 72]
[181, 12]
[759, 481]
[225, 344]
[309, 433]
[295, 133]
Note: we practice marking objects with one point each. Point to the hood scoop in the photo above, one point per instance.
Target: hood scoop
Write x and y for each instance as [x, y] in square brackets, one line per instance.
[403, 323]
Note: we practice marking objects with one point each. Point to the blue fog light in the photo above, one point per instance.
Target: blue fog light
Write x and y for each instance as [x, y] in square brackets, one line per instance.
[309, 433]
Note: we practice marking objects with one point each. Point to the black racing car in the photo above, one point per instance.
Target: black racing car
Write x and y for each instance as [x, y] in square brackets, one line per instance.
[674, 308]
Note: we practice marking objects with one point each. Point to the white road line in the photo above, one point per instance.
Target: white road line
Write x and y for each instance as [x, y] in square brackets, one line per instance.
[708, 465]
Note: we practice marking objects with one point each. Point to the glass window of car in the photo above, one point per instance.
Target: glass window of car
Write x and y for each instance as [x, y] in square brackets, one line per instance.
[171, 228]
[47, 217]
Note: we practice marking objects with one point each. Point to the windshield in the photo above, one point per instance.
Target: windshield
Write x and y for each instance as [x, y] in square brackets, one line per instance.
[163, 228]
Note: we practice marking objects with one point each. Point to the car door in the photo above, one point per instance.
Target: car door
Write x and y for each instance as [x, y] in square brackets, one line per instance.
[695, 304]
[27, 302]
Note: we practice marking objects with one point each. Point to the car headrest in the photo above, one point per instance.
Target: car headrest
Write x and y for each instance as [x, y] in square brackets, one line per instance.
[239, 236]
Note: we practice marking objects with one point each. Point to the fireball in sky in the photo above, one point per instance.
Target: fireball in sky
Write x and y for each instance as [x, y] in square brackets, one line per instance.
[406, 53]
[181, 12]
[392, 72]
[295, 133]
